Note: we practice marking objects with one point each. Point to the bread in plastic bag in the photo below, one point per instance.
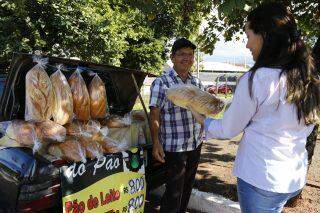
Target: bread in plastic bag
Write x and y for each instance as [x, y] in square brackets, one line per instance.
[80, 96]
[108, 145]
[185, 95]
[92, 148]
[70, 150]
[50, 131]
[115, 121]
[90, 129]
[63, 106]
[98, 98]
[19, 133]
[74, 128]
[39, 93]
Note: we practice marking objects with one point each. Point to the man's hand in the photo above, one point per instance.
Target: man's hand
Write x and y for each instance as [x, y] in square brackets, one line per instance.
[157, 152]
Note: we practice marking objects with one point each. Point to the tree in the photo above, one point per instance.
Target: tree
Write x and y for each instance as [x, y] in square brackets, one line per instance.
[126, 33]
[232, 14]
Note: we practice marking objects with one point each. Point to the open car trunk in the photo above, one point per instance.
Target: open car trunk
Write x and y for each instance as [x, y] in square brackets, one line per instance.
[31, 182]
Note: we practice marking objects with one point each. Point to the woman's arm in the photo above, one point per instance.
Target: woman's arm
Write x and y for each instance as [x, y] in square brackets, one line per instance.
[238, 115]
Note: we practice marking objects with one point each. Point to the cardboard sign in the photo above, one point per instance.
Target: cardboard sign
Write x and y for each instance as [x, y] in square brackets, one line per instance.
[114, 183]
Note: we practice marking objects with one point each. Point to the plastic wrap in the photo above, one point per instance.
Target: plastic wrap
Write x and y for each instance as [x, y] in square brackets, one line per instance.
[139, 119]
[39, 93]
[92, 148]
[190, 95]
[18, 133]
[70, 150]
[63, 106]
[98, 98]
[114, 121]
[137, 133]
[75, 128]
[50, 131]
[80, 95]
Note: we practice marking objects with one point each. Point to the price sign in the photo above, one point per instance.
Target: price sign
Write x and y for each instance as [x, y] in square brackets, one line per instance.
[114, 183]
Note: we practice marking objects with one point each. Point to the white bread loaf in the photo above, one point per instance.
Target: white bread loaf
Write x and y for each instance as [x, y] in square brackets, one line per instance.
[98, 98]
[185, 95]
[39, 95]
[63, 107]
[70, 150]
[80, 95]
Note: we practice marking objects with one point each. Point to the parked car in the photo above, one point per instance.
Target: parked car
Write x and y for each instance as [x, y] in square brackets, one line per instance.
[31, 183]
[230, 81]
[225, 89]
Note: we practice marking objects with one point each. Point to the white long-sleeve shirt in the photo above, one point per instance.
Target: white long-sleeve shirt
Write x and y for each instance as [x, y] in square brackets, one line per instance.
[271, 154]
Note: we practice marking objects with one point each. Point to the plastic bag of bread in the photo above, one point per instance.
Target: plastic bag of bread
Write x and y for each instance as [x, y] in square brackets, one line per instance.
[39, 93]
[80, 96]
[63, 105]
[98, 98]
[92, 148]
[75, 128]
[50, 131]
[93, 130]
[190, 95]
[70, 150]
[115, 121]
[18, 133]
[111, 146]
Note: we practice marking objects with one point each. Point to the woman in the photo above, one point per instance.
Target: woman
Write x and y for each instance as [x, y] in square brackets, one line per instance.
[275, 106]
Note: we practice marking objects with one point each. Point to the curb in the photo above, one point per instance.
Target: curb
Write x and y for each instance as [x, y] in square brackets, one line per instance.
[206, 202]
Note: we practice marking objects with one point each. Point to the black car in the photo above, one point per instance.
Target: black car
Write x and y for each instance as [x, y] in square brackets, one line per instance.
[31, 183]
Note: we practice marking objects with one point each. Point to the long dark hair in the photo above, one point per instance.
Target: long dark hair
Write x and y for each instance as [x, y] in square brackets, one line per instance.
[283, 48]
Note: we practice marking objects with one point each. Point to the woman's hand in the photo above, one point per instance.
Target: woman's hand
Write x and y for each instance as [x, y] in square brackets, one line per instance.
[199, 118]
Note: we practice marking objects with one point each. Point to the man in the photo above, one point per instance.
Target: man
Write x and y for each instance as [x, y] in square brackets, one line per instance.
[175, 133]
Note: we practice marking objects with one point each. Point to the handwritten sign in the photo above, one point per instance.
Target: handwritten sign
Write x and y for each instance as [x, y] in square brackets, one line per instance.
[114, 183]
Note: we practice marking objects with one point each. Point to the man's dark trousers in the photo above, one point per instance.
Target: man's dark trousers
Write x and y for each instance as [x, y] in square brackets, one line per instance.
[181, 171]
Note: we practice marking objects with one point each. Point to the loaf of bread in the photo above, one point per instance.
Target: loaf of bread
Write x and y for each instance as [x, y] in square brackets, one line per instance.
[108, 145]
[63, 106]
[39, 95]
[98, 98]
[92, 148]
[115, 122]
[190, 95]
[50, 131]
[75, 128]
[80, 95]
[18, 133]
[70, 150]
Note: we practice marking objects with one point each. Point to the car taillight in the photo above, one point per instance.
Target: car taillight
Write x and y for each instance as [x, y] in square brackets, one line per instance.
[44, 202]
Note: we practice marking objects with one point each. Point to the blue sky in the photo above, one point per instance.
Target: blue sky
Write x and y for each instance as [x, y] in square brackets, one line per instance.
[232, 51]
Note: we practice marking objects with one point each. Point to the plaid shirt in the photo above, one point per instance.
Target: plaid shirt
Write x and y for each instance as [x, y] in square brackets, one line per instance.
[178, 130]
